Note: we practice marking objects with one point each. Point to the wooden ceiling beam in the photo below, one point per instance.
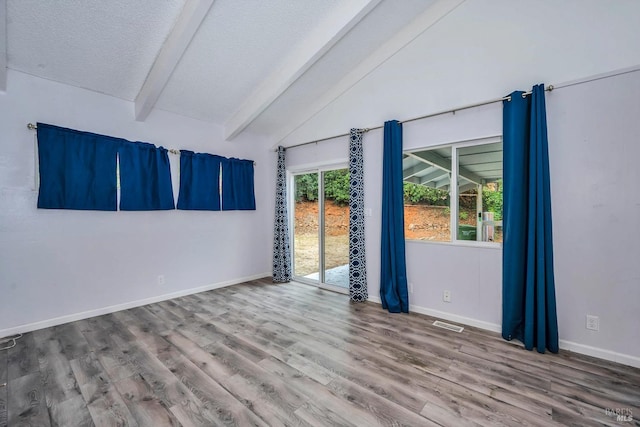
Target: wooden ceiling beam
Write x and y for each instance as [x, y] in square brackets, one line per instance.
[304, 55]
[423, 22]
[186, 26]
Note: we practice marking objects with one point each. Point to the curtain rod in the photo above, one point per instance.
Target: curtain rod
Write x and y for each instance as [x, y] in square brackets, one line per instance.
[31, 126]
[453, 110]
[549, 88]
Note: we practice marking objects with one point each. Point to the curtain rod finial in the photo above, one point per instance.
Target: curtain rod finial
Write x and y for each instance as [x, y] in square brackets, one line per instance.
[31, 126]
[550, 88]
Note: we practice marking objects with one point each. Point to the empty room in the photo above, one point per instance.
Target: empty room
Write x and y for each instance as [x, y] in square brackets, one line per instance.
[319, 212]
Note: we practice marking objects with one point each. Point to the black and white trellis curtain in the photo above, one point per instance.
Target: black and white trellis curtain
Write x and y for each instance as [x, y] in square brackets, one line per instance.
[281, 245]
[357, 267]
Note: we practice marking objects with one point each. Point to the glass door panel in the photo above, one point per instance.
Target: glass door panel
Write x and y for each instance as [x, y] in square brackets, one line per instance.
[306, 236]
[335, 221]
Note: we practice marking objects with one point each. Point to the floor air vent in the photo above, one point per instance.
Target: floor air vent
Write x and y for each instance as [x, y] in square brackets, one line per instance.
[448, 326]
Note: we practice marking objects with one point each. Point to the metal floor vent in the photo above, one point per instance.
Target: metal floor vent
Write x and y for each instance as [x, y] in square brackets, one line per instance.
[448, 326]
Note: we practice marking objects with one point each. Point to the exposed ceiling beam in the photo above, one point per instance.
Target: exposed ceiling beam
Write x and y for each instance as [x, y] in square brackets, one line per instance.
[405, 36]
[433, 176]
[304, 55]
[3, 45]
[187, 24]
[445, 164]
[413, 170]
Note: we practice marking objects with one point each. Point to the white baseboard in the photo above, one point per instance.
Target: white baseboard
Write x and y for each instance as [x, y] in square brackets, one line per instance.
[447, 316]
[600, 353]
[124, 306]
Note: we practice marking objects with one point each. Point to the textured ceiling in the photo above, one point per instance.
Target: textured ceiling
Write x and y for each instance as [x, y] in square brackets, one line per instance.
[376, 28]
[106, 46]
[239, 43]
[294, 70]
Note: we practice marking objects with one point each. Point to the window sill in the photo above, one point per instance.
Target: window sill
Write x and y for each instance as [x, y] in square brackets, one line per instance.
[462, 243]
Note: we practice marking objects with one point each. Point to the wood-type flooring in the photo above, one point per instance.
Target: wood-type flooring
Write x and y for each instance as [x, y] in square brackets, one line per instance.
[264, 354]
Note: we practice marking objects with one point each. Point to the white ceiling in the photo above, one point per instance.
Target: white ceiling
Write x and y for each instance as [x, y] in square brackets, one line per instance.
[270, 66]
[244, 55]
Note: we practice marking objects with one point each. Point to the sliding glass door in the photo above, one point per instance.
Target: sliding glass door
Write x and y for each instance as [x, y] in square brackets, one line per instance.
[321, 228]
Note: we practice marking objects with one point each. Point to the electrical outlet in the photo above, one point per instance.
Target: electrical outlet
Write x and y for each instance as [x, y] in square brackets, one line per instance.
[593, 323]
[161, 279]
[411, 288]
[446, 296]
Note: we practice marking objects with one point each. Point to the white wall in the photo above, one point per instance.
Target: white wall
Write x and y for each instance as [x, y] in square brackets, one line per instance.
[56, 263]
[594, 155]
[483, 50]
[593, 129]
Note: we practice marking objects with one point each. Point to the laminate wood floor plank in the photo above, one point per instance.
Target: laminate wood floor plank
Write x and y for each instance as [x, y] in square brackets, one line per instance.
[22, 359]
[27, 405]
[337, 339]
[597, 366]
[217, 400]
[267, 354]
[140, 396]
[322, 406]
[387, 413]
[204, 311]
[191, 364]
[345, 367]
[61, 390]
[3, 388]
[143, 318]
[479, 408]
[257, 378]
[73, 343]
[3, 406]
[619, 387]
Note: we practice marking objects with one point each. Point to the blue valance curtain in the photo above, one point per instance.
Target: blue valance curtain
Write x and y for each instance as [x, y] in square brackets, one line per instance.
[393, 276]
[145, 177]
[199, 181]
[77, 169]
[528, 286]
[237, 185]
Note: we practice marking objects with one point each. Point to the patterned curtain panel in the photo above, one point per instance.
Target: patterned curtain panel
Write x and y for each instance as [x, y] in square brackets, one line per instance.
[281, 245]
[357, 267]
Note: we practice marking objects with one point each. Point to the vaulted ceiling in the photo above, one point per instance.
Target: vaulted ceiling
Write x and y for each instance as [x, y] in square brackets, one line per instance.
[224, 61]
[271, 66]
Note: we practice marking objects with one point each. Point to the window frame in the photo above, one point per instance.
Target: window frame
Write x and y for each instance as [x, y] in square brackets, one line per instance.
[453, 192]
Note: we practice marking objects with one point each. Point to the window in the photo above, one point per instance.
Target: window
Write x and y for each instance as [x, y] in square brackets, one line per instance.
[470, 173]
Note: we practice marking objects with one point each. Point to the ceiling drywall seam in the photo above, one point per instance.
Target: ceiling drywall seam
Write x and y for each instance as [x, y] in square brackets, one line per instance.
[172, 50]
[304, 55]
[405, 36]
[3, 45]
